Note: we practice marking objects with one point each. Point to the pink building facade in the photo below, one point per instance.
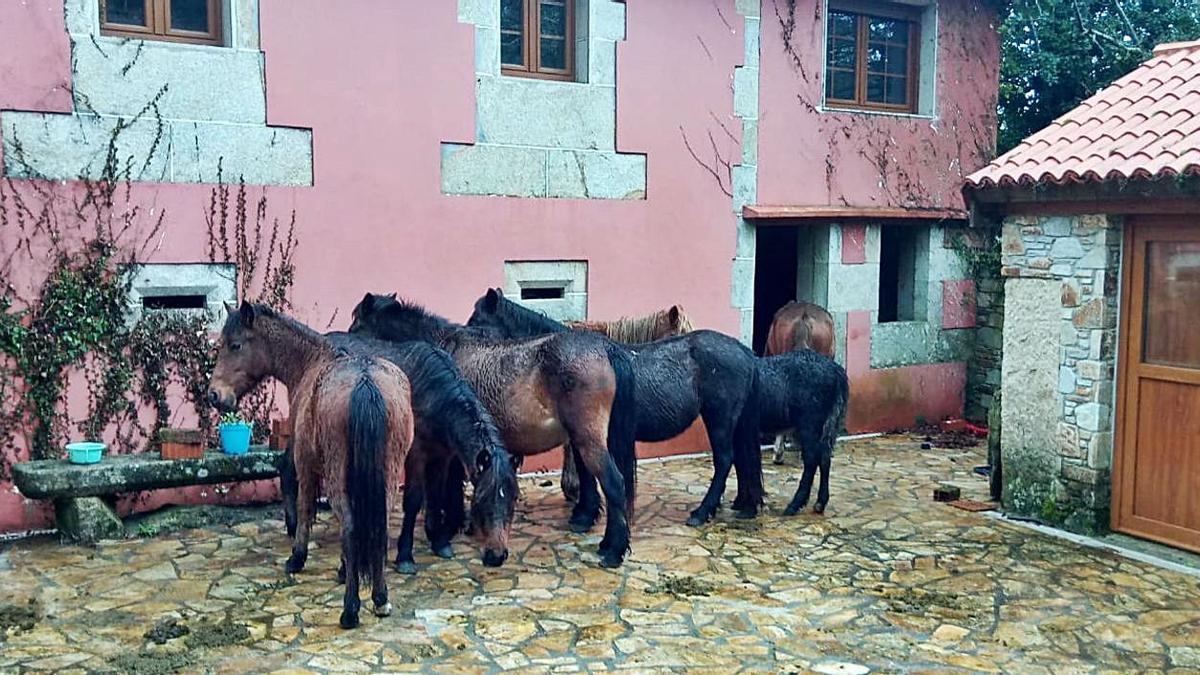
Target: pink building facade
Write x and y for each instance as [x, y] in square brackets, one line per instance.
[683, 162]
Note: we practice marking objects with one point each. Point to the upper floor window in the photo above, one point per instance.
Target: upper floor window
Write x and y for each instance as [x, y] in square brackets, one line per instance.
[195, 21]
[872, 60]
[537, 38]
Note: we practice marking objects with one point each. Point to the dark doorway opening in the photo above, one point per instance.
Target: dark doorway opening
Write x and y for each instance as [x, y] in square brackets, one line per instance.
[775, 265]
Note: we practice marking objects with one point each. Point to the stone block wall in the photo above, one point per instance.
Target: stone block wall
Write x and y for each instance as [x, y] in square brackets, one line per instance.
[983, 370]
[156, 99]
[570, 152]
[1058, 379]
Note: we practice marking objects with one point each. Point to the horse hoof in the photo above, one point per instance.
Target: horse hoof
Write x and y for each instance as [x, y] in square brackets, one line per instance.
[695, 521]
[611, 560]
[444, 551]
[348, 620]
[819, 509]
[746, 514]
[406, 567]
[340, 577]
[294, 565]
[383, 610]
[778, 460]
[790, 511]
[580, 526]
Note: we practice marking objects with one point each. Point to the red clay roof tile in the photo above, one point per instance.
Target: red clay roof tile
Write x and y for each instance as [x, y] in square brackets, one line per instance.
[1145, 125]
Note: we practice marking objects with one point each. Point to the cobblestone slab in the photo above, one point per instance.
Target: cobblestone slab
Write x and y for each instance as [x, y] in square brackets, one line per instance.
[887, 581]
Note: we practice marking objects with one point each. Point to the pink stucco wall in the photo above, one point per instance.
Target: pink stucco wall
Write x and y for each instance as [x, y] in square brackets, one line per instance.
[382, 84]
[815, 157]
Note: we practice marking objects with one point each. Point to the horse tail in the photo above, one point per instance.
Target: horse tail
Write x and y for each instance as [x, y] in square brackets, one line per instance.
[622, 424]
[367, 476]
[747, 454]
[837, 411]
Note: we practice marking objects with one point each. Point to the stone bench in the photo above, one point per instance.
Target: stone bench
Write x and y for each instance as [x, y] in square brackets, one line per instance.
[83, 494]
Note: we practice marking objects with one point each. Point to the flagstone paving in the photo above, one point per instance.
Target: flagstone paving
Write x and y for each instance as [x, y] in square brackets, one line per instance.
[886, 581]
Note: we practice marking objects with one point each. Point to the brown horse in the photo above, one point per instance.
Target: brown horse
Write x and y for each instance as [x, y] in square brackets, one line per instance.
[353, 426]
[541, 393]
[652, 327]
[799, 325]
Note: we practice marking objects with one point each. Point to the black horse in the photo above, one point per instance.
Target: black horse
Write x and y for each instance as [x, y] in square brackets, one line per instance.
[699, 374]
[541, 393]
[454, 438]
[805, 393]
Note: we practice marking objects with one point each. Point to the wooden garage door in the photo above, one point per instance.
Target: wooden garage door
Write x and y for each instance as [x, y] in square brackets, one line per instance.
[1157, 464]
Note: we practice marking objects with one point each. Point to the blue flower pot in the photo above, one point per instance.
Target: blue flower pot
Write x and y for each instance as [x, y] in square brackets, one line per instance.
[235, 438]
[86, 452]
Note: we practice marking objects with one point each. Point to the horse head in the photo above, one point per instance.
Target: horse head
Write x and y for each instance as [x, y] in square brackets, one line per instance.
[494, 475]
[243, 358]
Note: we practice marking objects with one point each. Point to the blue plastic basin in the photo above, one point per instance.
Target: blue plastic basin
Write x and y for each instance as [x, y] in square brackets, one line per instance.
[85, 452]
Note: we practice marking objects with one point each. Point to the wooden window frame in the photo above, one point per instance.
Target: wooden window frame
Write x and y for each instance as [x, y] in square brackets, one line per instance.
[532, 43]
[862, 18]
[158, 25]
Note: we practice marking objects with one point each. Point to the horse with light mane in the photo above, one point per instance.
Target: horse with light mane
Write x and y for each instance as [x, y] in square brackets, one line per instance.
[352, 427]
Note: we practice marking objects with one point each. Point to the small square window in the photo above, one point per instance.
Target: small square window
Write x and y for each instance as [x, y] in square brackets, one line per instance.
[872, 60]
[194, 21]
[537, 38]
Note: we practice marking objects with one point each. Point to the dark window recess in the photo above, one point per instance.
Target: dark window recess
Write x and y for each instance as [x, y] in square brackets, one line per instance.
[898, 278]
[174, 302]
[543, 293]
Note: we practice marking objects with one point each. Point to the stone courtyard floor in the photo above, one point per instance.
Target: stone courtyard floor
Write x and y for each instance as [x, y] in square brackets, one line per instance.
[887, 581]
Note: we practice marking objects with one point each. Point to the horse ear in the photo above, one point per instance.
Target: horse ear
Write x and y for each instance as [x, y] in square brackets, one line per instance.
[673, 315]
[246, 313]
[367, 304]
[391, 296]
[230, 308]
[492, 300]
[499, 291]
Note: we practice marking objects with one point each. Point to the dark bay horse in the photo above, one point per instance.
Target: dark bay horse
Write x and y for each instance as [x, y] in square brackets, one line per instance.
[701, 374]
[657, 325]
[541, 393]
[805, 393]
[353, 425]
[799, 325]
[454, 438]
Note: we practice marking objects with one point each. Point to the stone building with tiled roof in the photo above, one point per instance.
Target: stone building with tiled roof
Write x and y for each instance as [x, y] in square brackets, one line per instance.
[1101, 259]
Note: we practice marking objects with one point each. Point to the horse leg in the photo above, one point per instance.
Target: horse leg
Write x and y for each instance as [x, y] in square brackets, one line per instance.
[287, 488]
[350, 601]
[720, 437]
[587, 505]
[615, 544]
[569, 478]
[809, 455]
[823, 490]
[413, 498]
[447, 495]
[306, 509]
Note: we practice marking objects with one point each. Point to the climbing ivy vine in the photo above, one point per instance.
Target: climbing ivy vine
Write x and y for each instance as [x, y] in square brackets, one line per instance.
[67, 256]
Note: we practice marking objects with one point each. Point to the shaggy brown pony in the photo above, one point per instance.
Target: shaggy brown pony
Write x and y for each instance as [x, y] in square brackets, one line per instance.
[352, 423]
[799, 325]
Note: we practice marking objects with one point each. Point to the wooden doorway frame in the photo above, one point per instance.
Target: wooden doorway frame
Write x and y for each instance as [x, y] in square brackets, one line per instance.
[1133, 273]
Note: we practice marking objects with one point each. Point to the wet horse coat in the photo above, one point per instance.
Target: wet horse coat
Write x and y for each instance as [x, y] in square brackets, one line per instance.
[353, 426]
[702, 374]
[799, 325]
[541, 393]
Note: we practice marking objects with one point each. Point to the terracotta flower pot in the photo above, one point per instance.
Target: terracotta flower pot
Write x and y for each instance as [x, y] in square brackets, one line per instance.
[181, 443]
[281, 434]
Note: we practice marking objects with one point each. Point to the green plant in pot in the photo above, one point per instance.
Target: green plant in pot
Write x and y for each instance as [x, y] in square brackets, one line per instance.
[235, 434]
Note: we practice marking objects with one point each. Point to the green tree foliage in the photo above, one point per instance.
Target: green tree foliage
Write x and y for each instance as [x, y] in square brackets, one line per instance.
[1056, 53]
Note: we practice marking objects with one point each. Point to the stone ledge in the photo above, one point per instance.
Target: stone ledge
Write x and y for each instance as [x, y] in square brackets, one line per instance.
[69, 147]
[516, 171]
[118, 474]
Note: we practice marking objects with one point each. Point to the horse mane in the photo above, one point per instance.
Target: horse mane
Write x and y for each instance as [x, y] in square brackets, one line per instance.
[639, 329]
[261, 311]
[422, 322]
[528, 320]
